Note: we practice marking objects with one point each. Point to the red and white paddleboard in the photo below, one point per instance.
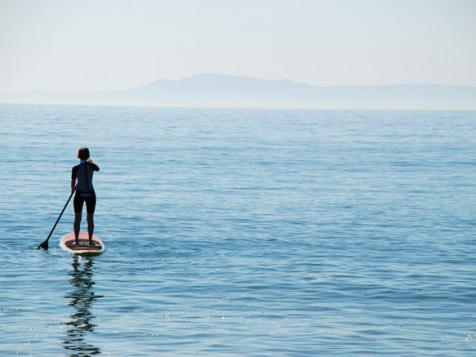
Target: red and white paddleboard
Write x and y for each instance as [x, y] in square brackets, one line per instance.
[67, 244]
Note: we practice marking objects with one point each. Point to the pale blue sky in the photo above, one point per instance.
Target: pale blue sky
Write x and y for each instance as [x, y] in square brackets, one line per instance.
[110, 44]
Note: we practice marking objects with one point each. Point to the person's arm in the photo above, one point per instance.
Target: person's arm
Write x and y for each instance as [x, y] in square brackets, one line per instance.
[93, 165]
[74, 174]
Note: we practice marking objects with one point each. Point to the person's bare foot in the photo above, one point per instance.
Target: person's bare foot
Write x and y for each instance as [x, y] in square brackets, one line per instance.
[91, 243]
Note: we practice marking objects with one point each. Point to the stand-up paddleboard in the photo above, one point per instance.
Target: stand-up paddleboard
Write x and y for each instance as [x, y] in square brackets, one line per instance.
[67, 244]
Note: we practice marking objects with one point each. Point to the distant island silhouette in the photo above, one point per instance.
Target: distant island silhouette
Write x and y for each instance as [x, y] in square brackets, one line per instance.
[218, 90]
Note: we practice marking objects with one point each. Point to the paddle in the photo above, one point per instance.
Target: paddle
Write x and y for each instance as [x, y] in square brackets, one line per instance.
[44, 245]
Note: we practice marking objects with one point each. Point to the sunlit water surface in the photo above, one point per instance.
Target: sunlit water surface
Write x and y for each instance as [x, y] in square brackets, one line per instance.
[241, 232]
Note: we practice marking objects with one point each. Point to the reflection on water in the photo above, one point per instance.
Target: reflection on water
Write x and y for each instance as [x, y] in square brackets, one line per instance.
[81, 298]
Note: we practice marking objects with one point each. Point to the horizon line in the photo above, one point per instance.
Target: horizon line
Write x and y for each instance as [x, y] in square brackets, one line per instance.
[395, 84]
[157, 106]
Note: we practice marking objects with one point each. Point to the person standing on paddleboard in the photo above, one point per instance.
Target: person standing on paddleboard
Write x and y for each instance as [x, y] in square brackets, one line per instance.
[83, 174]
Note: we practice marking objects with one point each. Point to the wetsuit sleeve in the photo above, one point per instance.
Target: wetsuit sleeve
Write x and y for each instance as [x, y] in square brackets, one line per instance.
[74, 173]
[94, 166]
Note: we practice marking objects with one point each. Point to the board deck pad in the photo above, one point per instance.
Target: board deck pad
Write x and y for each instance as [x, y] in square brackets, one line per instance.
[67, 244]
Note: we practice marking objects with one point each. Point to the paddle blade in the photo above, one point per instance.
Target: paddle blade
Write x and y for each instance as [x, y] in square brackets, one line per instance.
[43, 245]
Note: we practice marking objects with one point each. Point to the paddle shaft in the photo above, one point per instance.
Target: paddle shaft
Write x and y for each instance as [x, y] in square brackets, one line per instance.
[59, 217]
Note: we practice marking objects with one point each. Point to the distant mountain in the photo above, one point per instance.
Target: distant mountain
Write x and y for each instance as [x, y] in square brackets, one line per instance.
[216, 90]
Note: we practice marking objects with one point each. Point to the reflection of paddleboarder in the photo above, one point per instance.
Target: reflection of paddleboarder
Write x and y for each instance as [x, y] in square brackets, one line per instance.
[81, 298]
[83, 173]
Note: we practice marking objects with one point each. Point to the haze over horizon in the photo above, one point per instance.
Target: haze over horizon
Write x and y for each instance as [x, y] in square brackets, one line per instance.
[231, 76]
[216, 90]
[111, 45]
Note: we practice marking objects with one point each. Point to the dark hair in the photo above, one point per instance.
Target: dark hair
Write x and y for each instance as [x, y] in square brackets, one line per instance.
[83, 153]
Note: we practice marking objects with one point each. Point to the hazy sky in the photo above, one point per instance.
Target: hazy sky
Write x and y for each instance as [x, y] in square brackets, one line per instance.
[84, 45]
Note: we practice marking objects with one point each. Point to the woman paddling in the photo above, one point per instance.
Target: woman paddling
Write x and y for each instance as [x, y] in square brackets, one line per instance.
[83, 174]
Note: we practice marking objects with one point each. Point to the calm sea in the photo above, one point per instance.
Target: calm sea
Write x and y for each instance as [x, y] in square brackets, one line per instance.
[241, 232]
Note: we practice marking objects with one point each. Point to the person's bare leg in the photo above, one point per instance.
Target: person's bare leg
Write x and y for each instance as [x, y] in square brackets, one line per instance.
[77, 224]
[90, 218]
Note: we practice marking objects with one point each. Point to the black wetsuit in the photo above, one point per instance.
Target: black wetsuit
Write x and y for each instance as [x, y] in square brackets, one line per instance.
[84, 188]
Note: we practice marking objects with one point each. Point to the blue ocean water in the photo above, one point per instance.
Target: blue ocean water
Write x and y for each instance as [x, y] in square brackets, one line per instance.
[241, 232]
